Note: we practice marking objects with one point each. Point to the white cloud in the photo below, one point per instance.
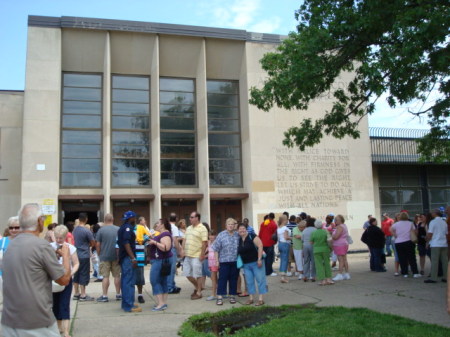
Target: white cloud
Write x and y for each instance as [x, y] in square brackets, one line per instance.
[238, 14]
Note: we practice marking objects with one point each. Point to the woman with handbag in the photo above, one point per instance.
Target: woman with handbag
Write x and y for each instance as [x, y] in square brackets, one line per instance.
[251, 253]
[340, 247]
[404, 232]
[61, 299]
[160, 254]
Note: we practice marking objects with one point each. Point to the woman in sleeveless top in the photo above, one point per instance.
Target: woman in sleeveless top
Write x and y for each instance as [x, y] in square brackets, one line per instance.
[340, 248]
[160, 251]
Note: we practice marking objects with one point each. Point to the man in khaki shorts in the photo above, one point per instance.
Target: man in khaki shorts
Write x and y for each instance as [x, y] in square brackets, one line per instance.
[106, 248]
[194, 246]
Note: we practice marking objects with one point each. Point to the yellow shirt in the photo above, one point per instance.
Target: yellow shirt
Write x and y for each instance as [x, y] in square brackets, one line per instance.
[194, 238]
[140, 232]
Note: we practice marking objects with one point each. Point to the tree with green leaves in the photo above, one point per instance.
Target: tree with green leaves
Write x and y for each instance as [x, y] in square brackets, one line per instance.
[394, 47]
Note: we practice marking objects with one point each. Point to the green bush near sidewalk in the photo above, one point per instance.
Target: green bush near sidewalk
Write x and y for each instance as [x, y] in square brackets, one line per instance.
[313, 321]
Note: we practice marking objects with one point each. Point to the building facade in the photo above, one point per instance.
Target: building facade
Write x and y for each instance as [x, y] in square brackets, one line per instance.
[120, 115]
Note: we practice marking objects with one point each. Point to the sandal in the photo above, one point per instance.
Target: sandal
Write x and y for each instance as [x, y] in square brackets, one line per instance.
[321, 283]
[232, 300]
[259, 303]
[329, 283]
[219, 301]
[243, 295]
[248, 302]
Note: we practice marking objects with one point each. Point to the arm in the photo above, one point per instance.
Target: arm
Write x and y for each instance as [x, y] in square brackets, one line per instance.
[65, 253]
[164, 245]
[98, 247]
[204, 246]
[337, 233]
[287, 236]
[75, 263]
[130, 254]
[258, 243]
[92, 243]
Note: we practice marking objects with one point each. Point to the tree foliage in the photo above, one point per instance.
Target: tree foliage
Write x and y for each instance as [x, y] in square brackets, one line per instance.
[396, 47]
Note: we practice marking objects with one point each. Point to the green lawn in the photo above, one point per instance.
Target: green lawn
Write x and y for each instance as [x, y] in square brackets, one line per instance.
[316, 322]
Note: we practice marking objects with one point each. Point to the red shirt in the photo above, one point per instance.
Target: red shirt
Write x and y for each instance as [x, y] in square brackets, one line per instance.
[386, 226]
[266, 232]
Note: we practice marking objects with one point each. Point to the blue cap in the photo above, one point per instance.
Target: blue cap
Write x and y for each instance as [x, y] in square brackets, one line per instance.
[128, 215]
[442, 209]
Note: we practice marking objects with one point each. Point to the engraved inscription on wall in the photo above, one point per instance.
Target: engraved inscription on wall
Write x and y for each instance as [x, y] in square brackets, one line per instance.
[314, 178]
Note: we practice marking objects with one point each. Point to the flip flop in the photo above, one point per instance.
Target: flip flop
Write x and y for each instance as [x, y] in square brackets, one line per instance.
[248, 302]
[219, 301]
[243, 295]
[259, 303]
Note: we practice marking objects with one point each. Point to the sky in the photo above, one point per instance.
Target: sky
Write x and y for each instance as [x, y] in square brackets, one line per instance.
[265, 16]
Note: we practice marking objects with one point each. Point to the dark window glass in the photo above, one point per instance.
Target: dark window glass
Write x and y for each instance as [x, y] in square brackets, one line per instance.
[177, 165]
[177, 123]
[411, 196]
[224, 139]
[80, 179]
[177, 179]
[82, 151]
[225, 179]
[223, 112]
[88, 108]
[82, 94]
[130, 109]
[81, 135]
[166, 97]
[389, 197]
[176, 84]
[130, 179]
[225, 165]
[174, 138]
[223, 125]
[130, 158]
[81, 121]
[82, 80]
[225, 152]
[222, 100]
[177, 151]
[130, 82]
[180, 110]
[130, 151]
[132, 96]
[130, 122]
[222, 87]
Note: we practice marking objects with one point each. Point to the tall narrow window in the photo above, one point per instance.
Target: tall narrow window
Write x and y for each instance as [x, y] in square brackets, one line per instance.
[130, 131]
[178, 143]
[224, 135]
[81, 136]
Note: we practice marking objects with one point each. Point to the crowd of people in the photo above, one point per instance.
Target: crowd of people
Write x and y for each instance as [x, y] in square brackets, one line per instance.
[426, 234]
[237, 260]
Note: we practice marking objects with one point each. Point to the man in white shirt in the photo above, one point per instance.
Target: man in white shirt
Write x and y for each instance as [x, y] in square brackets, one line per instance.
[437, 240]
[176, 251]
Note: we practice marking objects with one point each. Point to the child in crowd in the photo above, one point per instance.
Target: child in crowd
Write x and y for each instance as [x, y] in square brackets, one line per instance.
[213, 266]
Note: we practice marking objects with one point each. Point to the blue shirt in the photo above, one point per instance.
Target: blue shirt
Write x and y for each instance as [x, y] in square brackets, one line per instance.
[227, 246]
[83, 238]
[126, 235]
[4, 242]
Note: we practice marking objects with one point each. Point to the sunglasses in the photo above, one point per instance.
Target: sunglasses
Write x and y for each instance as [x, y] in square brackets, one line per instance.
[16, 228]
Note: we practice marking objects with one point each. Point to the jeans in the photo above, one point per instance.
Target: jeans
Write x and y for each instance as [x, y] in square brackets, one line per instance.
[49, 331]
[270, 255]
[322, 264]
[228, 273]
[375, 259]
[255, 274]
[61, 303]
[284, 247]
[388, 245]
[439, 255]
[159, 283]
[309, 268]
[407, 256]
[173, 268]
[127, 282]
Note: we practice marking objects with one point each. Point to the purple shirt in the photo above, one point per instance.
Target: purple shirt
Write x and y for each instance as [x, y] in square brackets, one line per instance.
[158, 254]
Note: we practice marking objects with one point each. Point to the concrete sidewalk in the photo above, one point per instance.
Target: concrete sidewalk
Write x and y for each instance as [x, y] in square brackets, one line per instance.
[382, 292]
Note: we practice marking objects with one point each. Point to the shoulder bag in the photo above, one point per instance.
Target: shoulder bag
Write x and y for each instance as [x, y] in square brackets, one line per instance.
[412, 234]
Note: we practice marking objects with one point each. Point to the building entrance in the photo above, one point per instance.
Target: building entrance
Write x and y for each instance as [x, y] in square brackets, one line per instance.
[221, 210]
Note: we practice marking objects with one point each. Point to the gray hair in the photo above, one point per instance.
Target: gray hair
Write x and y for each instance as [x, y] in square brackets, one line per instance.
[28, 217]
[108, 218]
[12, 220]
[61, 231]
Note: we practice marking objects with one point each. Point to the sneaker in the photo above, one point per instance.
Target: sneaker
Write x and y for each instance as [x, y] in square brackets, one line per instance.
[335, 268]
[162, 308]
[175, 291]
[118, 297]
[396, 274]
[76, 297]
[296, 273]
[405, 276]
[86, 298]
[211, 298]
[141, 299]
[417, 275]
[274, 274]
[99, 280]
[338, 277]
[136, 309]
[289, 274]
[103, 299]
[346, 276]
[300, 276]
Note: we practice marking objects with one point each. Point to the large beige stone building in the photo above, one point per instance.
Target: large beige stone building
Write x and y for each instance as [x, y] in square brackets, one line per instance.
[120, 115]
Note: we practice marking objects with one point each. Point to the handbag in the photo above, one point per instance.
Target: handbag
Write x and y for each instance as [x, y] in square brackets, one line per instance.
[165, 268]
[412, 234]
[349, 239]
[56, 288]
[274, 237]
[239, 262]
